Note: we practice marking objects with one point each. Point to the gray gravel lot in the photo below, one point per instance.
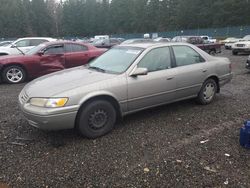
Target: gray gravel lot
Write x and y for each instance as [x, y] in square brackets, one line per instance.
[154, 148]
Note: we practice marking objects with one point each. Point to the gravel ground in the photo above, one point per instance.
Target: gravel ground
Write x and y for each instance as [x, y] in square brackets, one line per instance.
[160, 147]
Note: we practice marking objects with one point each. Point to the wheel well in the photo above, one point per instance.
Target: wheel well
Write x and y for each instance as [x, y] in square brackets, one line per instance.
[216, 79]
[16, 64]
[108, 98]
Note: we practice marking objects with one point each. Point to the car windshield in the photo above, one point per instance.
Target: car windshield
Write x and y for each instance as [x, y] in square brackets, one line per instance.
[34, 50]
[117, 60]
[247, 37]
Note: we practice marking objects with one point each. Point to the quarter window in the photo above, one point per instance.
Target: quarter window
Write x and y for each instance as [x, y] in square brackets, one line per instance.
[185, 55]
[75, 48]
[156, 59]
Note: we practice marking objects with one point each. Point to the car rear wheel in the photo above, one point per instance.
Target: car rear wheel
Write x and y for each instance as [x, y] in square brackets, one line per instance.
[207, 92]
[212, 52]
[14, 74]
[96, 119]
[235, 53]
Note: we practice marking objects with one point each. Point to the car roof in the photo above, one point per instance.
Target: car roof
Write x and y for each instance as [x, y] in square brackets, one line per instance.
[153, 44]
[67, 42]
[35, 38]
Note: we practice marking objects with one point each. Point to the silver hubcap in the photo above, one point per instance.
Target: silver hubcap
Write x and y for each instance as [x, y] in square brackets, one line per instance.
[14, 75]
[209, 91]
[98, 119]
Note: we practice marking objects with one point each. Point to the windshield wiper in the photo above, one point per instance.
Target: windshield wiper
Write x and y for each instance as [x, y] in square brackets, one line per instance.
[97, 68]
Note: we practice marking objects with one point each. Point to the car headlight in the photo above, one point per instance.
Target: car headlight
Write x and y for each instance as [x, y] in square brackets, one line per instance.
[48, 102]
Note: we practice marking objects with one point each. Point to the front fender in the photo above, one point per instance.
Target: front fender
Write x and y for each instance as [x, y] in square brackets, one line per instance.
[96, 94]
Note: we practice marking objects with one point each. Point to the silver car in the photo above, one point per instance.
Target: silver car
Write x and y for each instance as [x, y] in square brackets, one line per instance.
[125, 79]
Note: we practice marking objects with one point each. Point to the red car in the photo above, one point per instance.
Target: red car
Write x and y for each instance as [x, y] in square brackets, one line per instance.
[46, 58]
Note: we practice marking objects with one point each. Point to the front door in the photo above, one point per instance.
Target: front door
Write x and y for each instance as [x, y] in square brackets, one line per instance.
[52, 60]
[158, 86]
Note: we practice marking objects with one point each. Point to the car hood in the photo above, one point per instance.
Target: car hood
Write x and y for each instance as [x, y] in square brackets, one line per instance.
[243, 42]
[55, 83]
[13, 57]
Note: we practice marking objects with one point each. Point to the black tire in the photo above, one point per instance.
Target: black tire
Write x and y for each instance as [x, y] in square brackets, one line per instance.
[234, 53]
[204, 98]
[19, 74]
[96, 119]
[212, 52]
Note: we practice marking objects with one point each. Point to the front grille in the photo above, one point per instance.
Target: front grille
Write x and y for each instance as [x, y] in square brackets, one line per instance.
[240, 45]
[24, 97]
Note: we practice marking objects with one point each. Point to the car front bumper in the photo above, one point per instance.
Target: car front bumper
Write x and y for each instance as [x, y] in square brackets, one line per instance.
[50, 118]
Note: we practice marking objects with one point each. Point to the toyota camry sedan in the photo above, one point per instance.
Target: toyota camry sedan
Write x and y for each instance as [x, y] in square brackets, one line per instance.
[46, 58]
[126, 79]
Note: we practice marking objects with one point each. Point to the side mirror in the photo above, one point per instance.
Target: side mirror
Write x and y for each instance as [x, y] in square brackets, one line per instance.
[13, 46]
[40, 53]
[139, 71]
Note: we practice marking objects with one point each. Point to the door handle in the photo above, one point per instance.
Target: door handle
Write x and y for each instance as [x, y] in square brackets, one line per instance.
[170, 78]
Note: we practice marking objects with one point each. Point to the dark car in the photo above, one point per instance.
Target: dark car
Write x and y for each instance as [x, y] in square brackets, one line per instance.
[211, 48]
[107, 43]
[248, 63]
[46, 58]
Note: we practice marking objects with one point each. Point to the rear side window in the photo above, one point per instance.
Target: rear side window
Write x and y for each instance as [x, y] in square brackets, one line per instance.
[157, 59]
[75, 48]
[36, 42]
[57, 49]
[184, 55]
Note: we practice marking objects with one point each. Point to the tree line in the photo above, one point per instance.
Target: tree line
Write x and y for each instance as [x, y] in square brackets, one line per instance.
[55, 18]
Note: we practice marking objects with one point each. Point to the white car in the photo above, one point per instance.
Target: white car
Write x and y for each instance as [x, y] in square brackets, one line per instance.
[229, 43]
[208, 39]
[242, 46]
[23, 45]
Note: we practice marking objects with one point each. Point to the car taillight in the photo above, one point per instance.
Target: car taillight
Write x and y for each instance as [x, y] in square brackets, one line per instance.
[230, 67]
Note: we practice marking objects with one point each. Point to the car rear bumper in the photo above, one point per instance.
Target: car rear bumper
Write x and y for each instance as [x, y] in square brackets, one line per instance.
[225, 79]
[247, 50]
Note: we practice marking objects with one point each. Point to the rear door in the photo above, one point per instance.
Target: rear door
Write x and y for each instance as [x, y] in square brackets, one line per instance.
[76, 55]
[53, 59]
[191, 71]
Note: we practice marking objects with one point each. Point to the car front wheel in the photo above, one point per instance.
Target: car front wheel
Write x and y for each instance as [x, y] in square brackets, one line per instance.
[13, 74]
[96, 119]
[207, 92]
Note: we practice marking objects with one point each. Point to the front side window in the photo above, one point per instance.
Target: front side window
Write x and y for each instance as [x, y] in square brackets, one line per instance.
[156, 59]
[23, 43]
[185, 55]
[58, 49]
